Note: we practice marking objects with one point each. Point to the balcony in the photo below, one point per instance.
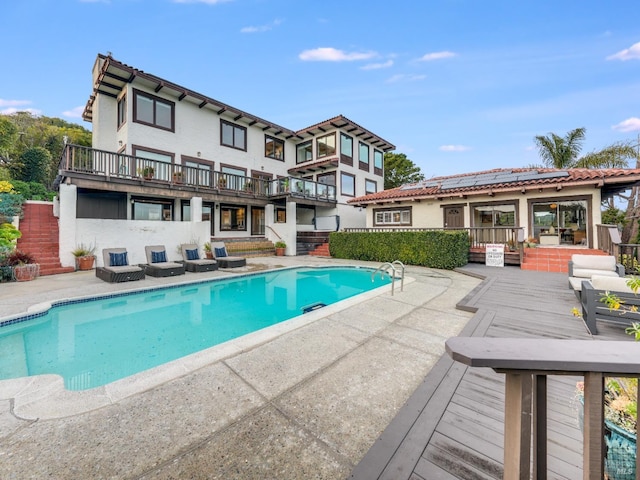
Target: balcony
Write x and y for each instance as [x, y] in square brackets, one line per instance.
[114, 167]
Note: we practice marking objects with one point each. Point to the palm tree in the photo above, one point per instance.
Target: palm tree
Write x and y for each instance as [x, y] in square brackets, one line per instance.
[560, 152]
[563, 152]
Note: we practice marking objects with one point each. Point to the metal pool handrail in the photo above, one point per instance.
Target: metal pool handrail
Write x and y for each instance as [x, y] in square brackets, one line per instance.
[385, 267]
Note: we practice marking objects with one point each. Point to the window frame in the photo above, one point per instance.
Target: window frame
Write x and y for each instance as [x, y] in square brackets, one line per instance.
[234, 127]
[368, 181]
[227, 206]
[378, 170]
[122, 111]
[155, 99]
[325, 145]
[310, 151]
[363, 165]
[276, 142]
[342, 190]
[406, 212]
[344, 158]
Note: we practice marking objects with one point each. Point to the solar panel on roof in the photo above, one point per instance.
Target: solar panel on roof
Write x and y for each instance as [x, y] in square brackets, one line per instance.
[483, 179]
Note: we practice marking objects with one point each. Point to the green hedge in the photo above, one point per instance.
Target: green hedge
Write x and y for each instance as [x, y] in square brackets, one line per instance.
[435, 249]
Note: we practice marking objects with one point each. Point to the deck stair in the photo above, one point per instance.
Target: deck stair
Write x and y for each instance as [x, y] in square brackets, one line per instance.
[40, 238]
[248, 247]
[549, 259]
[307, 243]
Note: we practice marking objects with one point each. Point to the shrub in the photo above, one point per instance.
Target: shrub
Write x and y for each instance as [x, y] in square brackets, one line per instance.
[435, 249]
[8, 235]
[18, 257]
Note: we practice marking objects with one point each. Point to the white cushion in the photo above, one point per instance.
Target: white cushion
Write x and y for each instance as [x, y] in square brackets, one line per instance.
[594, 262]
[576, 283]
[610, 284]
[588, 272]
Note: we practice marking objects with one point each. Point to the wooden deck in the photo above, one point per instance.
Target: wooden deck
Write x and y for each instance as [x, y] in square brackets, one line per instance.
[452, 426]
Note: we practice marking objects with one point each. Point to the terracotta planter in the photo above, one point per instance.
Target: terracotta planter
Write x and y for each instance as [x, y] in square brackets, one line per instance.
[24, 273]
[85, 263]
[208, 254]
[280, 251]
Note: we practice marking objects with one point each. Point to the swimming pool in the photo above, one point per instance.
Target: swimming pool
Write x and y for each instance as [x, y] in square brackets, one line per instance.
[92, 342]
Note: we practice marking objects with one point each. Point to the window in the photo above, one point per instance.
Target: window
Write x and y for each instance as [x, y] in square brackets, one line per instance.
[304, 152]
[363, 156]
[122, 111]
[397, 216]
[346, 149]
[273, 148]
[151, 110]
[197, 172]
[281, 215]
[370, 186]
[145, 209]
[378, 162]
[326, 145]
[494, 216]
[233, 136]
[158, 165]
[348, 184]
[327, 178]
[232, 178]
[233, 217]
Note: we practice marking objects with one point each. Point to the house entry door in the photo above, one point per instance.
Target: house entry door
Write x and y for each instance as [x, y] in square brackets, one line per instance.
[257, 221]
[453, 217]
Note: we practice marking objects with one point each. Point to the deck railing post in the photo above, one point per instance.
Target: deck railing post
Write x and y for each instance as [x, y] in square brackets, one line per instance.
[540, 427]
[517, 426]
[593, 457]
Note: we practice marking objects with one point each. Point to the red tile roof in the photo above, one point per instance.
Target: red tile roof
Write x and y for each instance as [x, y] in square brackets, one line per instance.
[506, 180]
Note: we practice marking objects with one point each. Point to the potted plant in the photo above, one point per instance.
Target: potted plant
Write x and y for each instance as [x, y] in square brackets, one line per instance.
[146, 172]
[280, 248]
[207, 250]
[177, 177]
[248, 186]
[84, 256]
[222, 182]
[24, 266]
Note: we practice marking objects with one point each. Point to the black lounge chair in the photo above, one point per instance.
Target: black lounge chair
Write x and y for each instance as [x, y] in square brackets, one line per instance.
[116, 267]
[157, 264]
[193, 260]
[219, 251]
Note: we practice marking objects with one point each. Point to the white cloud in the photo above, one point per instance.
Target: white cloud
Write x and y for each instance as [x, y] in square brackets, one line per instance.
[328, 54]
[13, 103]
[401, 77]
[75, 112]
[629, 125]
[454, 148]
[631, 53]
[261, 28]
[12, 110]
[377, 66]
[428, 57]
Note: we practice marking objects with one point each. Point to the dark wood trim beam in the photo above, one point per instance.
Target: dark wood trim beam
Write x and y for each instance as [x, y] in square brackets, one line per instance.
[203, 104]
[158, 88]
[222, 110]
[182, 96]
[237, 117]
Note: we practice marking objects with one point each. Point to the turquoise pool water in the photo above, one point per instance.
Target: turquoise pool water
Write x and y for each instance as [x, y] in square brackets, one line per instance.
[97, 341]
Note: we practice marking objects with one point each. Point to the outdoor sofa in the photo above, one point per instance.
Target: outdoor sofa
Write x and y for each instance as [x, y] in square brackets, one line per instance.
[157, 264]
[583, 267]
[116, 267]
[593, 310]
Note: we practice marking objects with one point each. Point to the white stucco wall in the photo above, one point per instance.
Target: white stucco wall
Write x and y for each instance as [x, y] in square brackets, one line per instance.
[429, 213]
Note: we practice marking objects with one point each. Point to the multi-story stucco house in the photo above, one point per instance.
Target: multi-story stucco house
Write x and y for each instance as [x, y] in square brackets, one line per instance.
[169, 164]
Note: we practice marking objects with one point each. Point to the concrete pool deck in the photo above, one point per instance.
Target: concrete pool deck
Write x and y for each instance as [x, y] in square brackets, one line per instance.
[305, 402]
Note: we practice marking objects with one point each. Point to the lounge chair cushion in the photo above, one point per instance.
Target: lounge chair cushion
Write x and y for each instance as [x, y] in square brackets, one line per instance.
[158, 257]
[611, 284]
[220, 252]
[118, 259]
[192, 254]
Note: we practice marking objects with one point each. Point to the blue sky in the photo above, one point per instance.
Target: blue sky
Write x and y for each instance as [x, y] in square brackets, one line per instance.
[456, 85]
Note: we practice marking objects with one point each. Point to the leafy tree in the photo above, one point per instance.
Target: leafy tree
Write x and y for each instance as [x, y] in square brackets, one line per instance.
[8, 136]
[399, 170]
[35, 163]
[613, 216]
[564, 152]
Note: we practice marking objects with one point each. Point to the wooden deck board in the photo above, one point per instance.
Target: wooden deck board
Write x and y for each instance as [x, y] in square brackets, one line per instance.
[452, 426]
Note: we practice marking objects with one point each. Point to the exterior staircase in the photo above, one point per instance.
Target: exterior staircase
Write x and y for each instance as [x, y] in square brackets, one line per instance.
[548, 259]
[308, 242]
[39, 230]
[321, 251]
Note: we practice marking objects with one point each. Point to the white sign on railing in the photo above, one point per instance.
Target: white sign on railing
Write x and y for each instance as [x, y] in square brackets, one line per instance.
[494, 255]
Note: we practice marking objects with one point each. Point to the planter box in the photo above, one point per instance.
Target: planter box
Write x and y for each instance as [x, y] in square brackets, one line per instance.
[24, 273]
